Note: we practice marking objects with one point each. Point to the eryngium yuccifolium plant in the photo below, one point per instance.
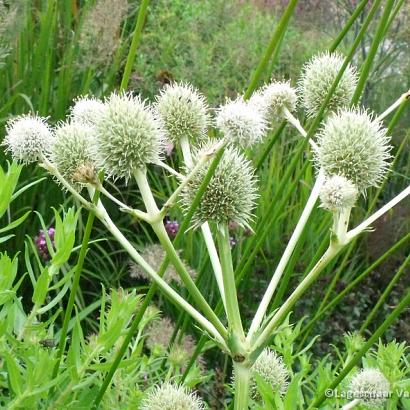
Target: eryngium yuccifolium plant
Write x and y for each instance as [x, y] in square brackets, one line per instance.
[241, 123]
[338, 193]
[129, 136]
[183, 111]
[317, 78]
[231, 192]
[169, 396]
[72, 155]
[271, 368]
[28, 138]
[273, 98]
[371, 387]
[353, 145]
[86, 110]
[154, 255]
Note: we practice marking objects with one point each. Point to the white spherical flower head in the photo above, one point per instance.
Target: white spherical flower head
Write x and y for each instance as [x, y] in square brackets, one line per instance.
[86, 110]
[241, 123]
[72, 154]
[353, 145]
[371, 387]
[183, 111]
[273, 98]
[169, 396]
[28, 138]
[230, 194]
[338, 193]
[129, 136]
[271, 368]
[318, 75]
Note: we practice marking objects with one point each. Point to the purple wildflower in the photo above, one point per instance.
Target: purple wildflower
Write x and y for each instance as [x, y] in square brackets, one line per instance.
[41, 243]
[171, 227]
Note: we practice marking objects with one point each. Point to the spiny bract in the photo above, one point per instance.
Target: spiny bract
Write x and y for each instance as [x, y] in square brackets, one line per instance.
[273, 98]
[318, 76]
[271, 368]
[169, 396]
[371, 387]
[129, 136]
[241, 123]
[353, 145]
[71, 153]
[338, 193]
[28, 138]
[230, 194]
[86, 110]
[183, 111]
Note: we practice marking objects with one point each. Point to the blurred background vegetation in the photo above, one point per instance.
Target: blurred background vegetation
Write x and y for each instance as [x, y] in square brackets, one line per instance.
[52, 51]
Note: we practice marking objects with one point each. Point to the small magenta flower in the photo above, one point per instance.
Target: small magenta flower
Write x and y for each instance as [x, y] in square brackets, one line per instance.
[41, 243]
[172, 227]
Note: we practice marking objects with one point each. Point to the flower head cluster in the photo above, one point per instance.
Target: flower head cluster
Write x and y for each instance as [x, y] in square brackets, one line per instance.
[41, 243]
[338, 193]
[273, 98]
[183, 111]
[230, 194]
[318, 77]
[271, 368]
[172, 227]
[72, 154]
[241, 123]
[371, 387]
[353, 145]
[172, 397]
[129, 136]
[87, 110]
[28, 138]
[159, 335]
[154, 255]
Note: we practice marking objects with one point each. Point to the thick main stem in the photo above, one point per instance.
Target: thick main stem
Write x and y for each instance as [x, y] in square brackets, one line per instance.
[242, 378]
[260, 313]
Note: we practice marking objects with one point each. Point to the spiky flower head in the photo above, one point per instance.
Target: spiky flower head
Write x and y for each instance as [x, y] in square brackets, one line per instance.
[154, 255]
[183, 111]
[28, 138]
[230, 194]
[371, 387]
[86, 110]
[129, 136]
[273, 98]
[353, 145]
[170, 396]
[338, 193]
[271, 368]
[241, 123]
[318, 76]
[72, 154]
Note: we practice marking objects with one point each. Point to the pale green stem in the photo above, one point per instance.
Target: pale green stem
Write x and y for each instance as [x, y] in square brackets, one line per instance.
[395, 105]
[296, 123]
[365, 224]
[279, 316]
[351, 405]
[159, 229]
[267, 297]
[242, 379]
[169, 169]
[228, 275]
[205, 324]
[206, 231]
